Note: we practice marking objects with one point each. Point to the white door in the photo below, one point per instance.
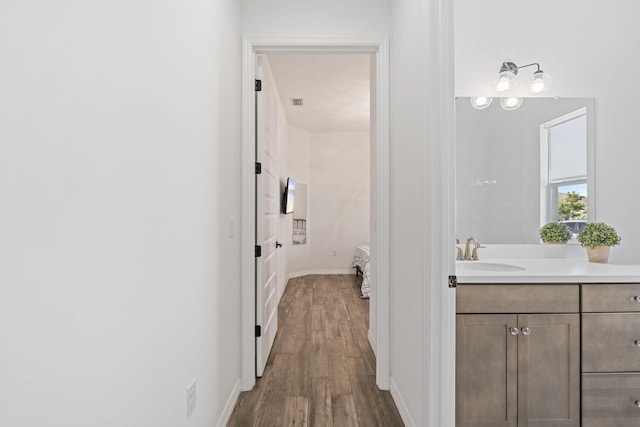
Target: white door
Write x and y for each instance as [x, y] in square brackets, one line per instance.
[267, 211]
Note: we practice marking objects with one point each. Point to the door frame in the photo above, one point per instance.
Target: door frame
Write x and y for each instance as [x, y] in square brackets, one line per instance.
[251, 46]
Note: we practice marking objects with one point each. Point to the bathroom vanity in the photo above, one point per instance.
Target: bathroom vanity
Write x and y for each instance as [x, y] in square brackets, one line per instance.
[547, 343]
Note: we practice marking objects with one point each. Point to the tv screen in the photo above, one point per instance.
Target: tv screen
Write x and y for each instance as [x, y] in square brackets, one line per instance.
[288, 196]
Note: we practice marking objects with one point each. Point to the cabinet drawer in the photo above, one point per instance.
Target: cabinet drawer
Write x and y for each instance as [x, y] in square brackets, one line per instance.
[517, 299]
[608, 298]
[610, 342]
[610, 400]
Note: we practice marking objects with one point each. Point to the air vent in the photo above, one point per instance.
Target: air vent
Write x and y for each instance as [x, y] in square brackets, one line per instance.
[297, 102]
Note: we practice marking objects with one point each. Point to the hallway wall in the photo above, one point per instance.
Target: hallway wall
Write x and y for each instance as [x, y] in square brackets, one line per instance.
[409, 242]
[119, 209]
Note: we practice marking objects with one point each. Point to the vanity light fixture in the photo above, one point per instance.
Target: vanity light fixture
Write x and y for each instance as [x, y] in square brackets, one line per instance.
[510, 103]
[480, 102]
[540, 83]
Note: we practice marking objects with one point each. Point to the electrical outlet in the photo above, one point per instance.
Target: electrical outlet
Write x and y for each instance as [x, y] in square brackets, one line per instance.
[191, 398]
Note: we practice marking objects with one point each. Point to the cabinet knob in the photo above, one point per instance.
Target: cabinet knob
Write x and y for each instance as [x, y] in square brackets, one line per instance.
[636, 298]
[638, 403]
[526, 331]
[514, 331]
[637, 343]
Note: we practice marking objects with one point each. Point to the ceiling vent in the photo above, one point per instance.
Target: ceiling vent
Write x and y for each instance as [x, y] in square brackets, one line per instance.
[297, 102]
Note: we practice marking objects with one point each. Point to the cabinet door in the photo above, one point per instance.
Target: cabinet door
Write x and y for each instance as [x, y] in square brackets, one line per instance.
[549, 370]
[611, 342]
[611, 400]
[486, 370]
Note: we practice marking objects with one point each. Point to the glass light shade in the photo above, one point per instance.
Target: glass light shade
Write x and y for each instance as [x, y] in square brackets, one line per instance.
[506, 81]
[540, 83]
[480, 102]
[510, 103]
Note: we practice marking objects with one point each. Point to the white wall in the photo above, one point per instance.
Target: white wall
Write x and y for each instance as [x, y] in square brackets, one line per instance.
[119, 184]
[315, 17]
[575, 42]
[335, 166]
[408, 209]
[339, 202]
[299, 167]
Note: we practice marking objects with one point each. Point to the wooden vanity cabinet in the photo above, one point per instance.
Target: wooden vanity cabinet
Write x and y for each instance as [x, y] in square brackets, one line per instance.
[518, 356]
[611, 355]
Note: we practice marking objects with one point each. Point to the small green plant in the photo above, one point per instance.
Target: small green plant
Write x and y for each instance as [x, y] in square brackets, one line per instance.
[598, 234]
[555, 232]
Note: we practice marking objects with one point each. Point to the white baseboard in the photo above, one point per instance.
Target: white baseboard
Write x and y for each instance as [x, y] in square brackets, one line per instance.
[372, 342]
[231, 403]
[309, 272]
[284, 288]
[399, 401]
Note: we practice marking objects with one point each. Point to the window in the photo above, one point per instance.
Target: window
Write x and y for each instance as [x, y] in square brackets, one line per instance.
[563, 168]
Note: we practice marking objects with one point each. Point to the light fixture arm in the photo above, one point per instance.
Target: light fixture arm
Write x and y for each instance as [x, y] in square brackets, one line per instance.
[510, 66]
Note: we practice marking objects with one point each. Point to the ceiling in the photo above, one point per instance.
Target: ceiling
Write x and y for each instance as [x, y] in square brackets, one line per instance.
[334, 89]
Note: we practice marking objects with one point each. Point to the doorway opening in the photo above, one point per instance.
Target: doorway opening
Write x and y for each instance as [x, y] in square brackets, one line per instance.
[313, 137]
[379, 191]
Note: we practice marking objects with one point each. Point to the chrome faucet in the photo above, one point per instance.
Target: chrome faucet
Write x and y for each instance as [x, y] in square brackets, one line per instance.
[468, 254]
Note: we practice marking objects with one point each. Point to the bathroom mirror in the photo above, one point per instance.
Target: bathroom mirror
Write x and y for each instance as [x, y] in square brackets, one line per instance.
[514, 168]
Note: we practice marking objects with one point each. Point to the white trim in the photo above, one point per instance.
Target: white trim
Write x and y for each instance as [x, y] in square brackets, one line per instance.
[372, 341]
[438, 340]
[591, 162]
[252, 45]
[295, 274]
[381, 278]
[544, 175]
[400, 404]
[247, 221]
[546, 207]
[229, 406]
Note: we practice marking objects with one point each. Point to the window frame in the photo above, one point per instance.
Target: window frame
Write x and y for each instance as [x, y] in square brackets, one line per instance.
[549, 189]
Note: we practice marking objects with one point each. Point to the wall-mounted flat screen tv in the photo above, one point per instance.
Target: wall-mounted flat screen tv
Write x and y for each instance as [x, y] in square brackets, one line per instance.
[288, 196]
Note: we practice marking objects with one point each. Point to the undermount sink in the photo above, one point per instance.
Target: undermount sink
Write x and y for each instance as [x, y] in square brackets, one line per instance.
[487, 266]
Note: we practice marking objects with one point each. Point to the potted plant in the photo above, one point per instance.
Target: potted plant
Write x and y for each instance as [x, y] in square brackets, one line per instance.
[555, 232]
[597, 238]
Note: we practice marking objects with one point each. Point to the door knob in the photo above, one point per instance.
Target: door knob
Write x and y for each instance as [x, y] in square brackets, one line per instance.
[278, 244]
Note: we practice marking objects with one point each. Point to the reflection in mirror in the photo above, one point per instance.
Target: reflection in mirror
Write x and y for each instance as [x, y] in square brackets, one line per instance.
[517, 170]
[300, 215]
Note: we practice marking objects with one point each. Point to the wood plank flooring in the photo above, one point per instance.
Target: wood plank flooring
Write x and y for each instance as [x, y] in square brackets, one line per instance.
[321, 371]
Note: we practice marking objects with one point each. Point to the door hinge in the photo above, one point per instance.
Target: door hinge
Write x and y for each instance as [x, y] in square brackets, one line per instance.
[453, 281]
[258, 85]
[258, 251]
[258, 331]
[258, 168]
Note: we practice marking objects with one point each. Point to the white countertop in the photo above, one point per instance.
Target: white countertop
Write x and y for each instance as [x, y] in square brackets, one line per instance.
[548, 270]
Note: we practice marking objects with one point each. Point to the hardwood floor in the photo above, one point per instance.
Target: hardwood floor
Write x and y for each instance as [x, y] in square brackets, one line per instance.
[321, 371]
